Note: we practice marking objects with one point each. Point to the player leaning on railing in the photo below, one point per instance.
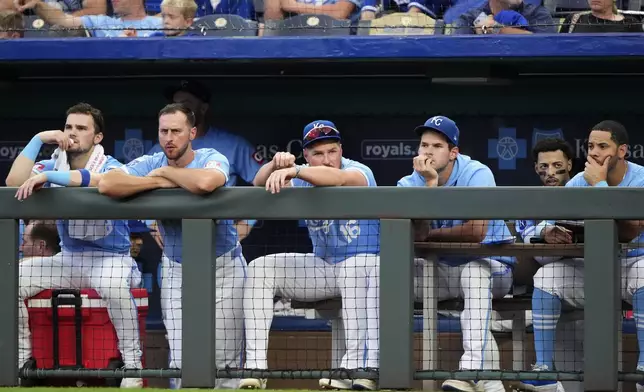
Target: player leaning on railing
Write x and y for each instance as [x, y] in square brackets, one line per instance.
[200, 172]
[95, 253]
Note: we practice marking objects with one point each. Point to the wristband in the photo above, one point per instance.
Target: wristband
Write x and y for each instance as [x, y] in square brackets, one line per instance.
[58, 177]
[297, 170]
[32, 149]
[86, 177]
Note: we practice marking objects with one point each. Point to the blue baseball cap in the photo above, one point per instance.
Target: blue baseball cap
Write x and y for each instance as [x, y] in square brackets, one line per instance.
[319, 130]
[137, 226]
[442, 124]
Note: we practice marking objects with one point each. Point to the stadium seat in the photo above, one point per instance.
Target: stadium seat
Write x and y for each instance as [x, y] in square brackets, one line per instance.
[402, 24]
[225, 26]
[308, 25]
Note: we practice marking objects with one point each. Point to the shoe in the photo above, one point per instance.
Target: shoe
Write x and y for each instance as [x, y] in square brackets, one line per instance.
[252, 383]
[364, 385]
[540, 385]
[329, 383]
[132, 383]
[473, 386]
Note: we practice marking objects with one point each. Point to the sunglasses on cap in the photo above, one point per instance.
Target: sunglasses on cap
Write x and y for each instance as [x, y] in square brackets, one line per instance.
[320, 131]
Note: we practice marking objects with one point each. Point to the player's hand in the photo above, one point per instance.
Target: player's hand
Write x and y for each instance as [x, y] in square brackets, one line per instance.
[158, 172]
[56, 137]
[164, 183]
[423, 166]
[596, 172]
[32, 184]
[282, 160]
[279, 179]
[367, 15]
[557, 235]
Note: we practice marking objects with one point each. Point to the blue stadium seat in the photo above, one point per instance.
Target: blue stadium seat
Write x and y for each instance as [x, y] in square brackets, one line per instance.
[401, 24]
[307, 25]
[225, 26]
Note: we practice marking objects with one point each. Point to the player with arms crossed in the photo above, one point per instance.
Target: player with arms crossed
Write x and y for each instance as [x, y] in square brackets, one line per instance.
[344, 262]
[95, 253]
[563, 280]
[200, 172]
[475, 279]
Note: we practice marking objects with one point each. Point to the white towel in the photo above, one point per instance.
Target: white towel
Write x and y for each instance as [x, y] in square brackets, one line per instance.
[86, 230]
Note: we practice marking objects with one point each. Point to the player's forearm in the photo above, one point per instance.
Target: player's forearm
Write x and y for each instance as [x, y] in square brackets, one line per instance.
[473, 231]
[73, 178]
[340, 10]
[263, 173]
[23, 164]
[55, 16]
[198, 181]
[322, 176]
[243, 229]
[117, 184]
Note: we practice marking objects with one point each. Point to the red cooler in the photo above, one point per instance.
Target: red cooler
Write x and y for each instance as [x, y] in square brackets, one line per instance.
[71, 329]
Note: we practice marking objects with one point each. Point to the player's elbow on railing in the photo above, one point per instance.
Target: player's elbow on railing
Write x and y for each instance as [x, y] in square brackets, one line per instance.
[12, 181]
[107, 186]
[206, 186]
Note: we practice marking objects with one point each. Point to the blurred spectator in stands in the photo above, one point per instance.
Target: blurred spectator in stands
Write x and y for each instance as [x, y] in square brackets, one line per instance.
[133, 20]
[244, 162]
[372, 8]
[177, 16]
[11, 25]
[7, 5]
[57, 31]
[243, 8]
[505, 17]
[602, 18]
[40, 239]
[80, 7]
[338, 9]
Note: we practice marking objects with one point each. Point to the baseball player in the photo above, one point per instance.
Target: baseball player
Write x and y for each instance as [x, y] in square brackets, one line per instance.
[344, 262]
[563, 280]
[241, 155]
[40, 239]
[200, 172]
[95, 253]
[553, 164]
[475, 279]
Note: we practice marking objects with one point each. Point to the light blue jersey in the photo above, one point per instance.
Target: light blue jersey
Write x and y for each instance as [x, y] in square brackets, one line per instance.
[103, 26]
[467, 172]
[206, 158]
[112, 236]
[243, 160]
[526, 228]
[336, 240]
[633, 178]
[242, 157]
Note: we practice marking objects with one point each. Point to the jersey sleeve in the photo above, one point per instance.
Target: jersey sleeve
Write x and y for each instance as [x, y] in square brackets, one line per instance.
[482, 177]
[112, 164]
[139, 167]
[366, 172]
[42, 166]
[214, 160]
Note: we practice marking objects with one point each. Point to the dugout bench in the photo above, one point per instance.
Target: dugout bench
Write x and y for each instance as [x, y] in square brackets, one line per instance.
[512, 307]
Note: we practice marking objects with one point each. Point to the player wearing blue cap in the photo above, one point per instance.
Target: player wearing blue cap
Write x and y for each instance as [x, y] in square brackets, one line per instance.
[200, 172]
[475, 279]
[344, 262]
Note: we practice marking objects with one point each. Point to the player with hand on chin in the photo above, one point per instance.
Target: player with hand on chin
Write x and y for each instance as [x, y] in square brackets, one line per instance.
[89, 247]
[563, 280]
[344, 262]
[200, 172]
[475, 279]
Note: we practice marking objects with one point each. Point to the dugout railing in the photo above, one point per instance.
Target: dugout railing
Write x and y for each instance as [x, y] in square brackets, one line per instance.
[395, 207]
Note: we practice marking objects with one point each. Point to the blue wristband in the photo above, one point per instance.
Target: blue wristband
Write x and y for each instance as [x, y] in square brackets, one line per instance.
[85, 177]
[58, 177]
[601, 183]
[32, 149]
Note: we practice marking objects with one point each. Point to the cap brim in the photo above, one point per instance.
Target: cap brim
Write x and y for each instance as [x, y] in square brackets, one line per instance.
[321, 138]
